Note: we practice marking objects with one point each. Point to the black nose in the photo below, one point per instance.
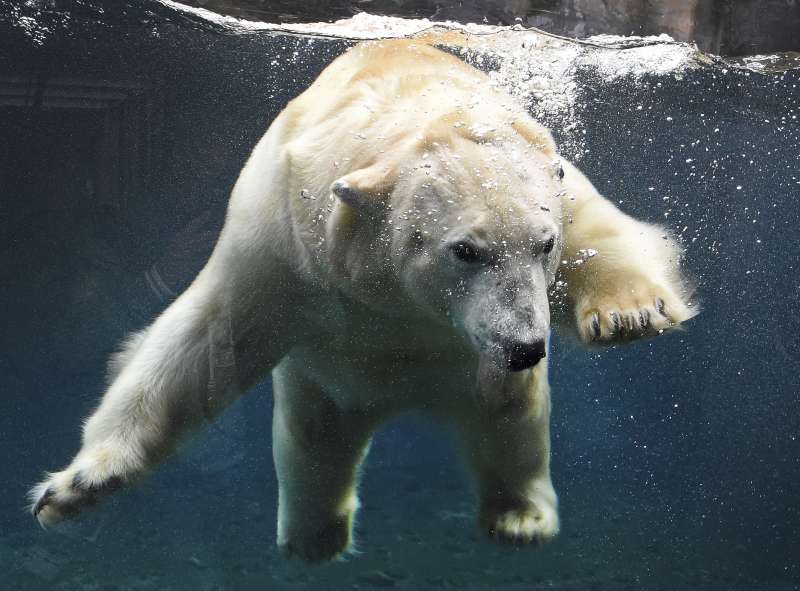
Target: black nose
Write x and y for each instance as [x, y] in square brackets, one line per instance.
[521, 355]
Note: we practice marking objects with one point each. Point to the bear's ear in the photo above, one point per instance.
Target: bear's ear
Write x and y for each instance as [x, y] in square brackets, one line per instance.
[366, 189]
[535, 134]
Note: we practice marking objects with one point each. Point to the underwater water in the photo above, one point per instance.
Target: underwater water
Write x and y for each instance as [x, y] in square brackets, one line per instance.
[677, 461]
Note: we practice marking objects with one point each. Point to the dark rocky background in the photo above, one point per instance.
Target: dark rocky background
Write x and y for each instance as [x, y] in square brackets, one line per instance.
[726, 27]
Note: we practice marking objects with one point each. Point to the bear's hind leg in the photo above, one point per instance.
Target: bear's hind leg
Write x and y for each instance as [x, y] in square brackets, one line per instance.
[318, 449]
[507, 448]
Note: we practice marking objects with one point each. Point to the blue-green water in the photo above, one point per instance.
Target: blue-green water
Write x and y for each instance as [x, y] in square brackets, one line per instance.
[124, 126]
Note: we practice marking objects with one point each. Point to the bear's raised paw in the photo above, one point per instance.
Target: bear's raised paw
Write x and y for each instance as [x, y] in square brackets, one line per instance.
[633, 312]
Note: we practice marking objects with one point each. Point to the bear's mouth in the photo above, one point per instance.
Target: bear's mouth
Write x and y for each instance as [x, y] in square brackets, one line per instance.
[498, 378]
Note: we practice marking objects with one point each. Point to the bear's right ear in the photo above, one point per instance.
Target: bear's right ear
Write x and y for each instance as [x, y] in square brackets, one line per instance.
[366, 189]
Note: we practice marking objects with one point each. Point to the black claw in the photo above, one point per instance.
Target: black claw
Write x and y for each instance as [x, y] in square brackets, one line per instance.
[596, 326]
[81, 484]
[112, 484]
[660, 306]
[644, 318]
[616, 321]
[43, 500]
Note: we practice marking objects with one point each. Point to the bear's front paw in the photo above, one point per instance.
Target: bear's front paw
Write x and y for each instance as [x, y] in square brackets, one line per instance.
[325, 543]
[527, 522]
[634, 310]
[90, 478]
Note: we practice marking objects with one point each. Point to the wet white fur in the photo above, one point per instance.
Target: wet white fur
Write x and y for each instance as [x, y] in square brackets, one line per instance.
[324, 292]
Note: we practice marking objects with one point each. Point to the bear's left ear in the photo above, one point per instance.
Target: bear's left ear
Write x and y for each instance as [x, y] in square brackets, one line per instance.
[366, 189]
[535, 134]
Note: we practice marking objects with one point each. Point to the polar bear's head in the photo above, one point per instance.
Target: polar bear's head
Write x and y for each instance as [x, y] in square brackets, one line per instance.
[469, 228]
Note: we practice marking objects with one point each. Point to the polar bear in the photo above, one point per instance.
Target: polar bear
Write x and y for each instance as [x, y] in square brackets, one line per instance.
[389, 245]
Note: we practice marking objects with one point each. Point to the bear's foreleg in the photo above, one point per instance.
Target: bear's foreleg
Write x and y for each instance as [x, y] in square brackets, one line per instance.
[622, 275]
[177, 374]
[507, 448]
[318, 449]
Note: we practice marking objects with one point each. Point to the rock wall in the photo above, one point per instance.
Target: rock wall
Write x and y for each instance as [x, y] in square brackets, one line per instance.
[727, 27]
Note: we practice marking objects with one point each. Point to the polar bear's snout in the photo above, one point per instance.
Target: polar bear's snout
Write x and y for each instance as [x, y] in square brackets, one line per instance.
[522, 355]
[504, 312]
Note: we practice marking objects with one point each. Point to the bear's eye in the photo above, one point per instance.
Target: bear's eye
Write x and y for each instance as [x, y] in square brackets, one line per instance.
[466, 252]
[548, 246]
